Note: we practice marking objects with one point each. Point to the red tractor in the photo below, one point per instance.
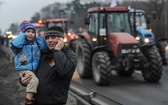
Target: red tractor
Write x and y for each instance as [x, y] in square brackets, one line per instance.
[39, 28]
[69, 37]
[108, 45]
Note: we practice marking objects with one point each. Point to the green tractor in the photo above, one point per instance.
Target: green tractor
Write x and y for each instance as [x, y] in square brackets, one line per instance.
[108, 45]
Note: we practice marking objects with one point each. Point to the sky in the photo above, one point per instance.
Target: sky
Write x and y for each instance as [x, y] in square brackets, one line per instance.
[12, 11]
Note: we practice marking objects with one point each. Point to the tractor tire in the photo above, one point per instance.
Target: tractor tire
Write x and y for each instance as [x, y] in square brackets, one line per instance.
[101, 67]
[83, 51]
[152, 70]
[161, 46]
[72, 44]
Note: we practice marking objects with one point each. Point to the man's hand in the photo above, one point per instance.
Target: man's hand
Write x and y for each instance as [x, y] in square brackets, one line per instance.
[60, 44]
[25, 80]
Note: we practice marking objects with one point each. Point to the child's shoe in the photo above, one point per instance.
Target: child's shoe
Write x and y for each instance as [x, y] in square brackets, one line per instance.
[29, 101]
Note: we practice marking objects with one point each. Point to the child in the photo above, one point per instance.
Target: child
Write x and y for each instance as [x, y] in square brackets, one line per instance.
[27, 48]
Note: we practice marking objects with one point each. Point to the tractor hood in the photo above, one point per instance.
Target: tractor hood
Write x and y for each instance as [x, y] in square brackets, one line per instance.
[118, 39]
[122, 38]
[143, 31]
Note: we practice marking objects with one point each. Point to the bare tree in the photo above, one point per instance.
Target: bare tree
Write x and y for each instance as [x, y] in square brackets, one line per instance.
[46, 12]
[35, 18]
[157, 24]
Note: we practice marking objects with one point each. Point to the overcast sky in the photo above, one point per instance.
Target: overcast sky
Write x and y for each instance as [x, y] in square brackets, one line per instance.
[12, 11]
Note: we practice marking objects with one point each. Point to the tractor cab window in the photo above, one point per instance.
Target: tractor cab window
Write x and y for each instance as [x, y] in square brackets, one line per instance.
[61, 24]
[118, 22]
[102, 29]
[102, 25]
[39, 29]
[102, 21]
[140, 19]
[93, 26]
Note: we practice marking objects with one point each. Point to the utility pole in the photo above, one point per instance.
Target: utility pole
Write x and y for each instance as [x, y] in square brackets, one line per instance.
[166, 28]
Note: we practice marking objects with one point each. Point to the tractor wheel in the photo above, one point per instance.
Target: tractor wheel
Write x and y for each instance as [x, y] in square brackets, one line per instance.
[83, 51]
[161, 46]
[152, 69]
[101, 67]
[72, 45]
[129, 70]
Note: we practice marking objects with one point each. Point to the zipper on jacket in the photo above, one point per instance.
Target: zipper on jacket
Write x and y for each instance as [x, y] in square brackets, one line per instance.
[32, 56]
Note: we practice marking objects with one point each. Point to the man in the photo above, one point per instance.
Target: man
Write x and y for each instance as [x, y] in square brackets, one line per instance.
[55, 70]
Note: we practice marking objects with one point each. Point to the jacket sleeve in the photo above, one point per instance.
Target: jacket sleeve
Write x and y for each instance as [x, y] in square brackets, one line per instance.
[17, 43]
[41, 43]
[65, 62]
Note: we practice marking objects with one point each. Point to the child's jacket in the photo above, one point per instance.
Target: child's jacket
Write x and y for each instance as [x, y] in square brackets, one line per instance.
[27, 53]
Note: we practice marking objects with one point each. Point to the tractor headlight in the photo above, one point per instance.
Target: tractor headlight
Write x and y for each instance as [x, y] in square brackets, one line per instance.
[69, 34]
[147, 40]
[166, 48]
[94, 39]
[65, 40]
[137, 38]
[125, 51]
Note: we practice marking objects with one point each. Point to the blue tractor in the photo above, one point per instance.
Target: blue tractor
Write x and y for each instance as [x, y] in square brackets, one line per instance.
[139, 23]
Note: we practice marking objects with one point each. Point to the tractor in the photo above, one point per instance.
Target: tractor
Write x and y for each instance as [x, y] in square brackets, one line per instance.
[108, 45]
[39, 28]
[69, 37]
[143, 34]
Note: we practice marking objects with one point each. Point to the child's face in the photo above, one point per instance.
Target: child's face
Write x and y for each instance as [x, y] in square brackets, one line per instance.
[30, 34]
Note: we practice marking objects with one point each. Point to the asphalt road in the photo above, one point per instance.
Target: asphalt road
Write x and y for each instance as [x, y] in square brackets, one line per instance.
[131, 90]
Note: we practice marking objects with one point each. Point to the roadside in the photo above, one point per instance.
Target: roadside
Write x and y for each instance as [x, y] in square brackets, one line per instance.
[10, 89]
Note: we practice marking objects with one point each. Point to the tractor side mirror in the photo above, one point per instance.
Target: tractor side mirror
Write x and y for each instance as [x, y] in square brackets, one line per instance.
[87, 20]
[71, 22]
[154, 15]
[148, 19]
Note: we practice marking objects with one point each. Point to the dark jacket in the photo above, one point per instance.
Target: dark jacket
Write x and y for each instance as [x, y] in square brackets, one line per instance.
[55, 72]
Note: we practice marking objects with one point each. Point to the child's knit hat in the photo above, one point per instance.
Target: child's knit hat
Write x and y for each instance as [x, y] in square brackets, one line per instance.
[26, 25]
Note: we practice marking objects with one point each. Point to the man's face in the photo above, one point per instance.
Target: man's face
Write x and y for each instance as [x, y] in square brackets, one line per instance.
[30, 34]
[52, 41]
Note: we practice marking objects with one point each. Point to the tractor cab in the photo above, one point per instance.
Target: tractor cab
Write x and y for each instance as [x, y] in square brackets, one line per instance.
[105, 22]
[69, 35]
[39, 28]
[140, 18]
[62, 22]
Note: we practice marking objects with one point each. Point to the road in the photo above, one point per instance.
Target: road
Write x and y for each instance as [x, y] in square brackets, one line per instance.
[131, 90]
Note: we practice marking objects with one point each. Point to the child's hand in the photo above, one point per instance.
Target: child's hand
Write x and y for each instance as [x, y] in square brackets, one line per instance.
[25, 80]
[60, 44]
